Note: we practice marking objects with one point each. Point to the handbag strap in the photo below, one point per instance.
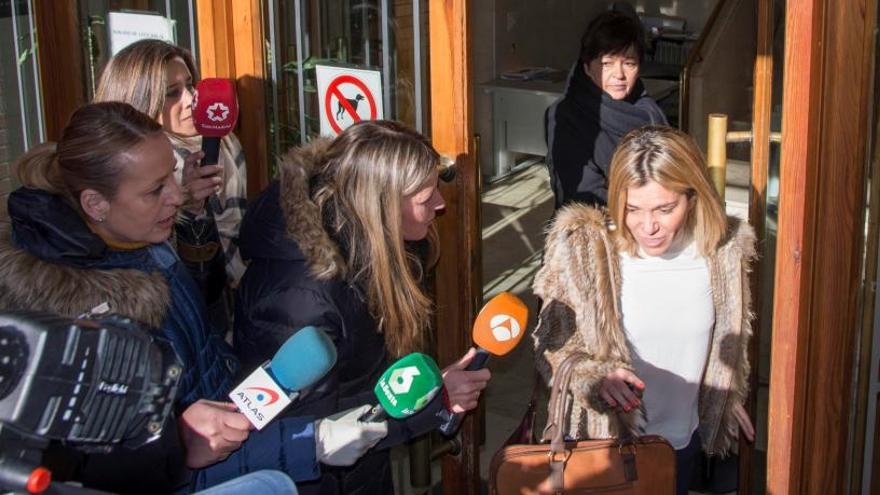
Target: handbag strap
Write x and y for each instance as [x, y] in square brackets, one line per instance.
[560, 403]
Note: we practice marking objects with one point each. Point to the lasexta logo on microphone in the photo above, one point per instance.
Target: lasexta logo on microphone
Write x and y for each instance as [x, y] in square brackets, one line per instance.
[402, 379]
[504, 327]
[263, 396]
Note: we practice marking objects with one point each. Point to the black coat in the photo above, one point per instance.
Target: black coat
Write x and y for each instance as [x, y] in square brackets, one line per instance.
[278, 295]
[582, 131]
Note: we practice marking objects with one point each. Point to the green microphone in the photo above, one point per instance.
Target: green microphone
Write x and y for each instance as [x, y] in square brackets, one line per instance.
[405, 388]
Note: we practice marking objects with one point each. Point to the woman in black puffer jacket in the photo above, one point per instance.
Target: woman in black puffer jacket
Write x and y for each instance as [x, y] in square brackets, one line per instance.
[333, 243]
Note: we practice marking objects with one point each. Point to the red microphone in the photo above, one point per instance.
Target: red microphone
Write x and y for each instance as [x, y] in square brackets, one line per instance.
[214, 112]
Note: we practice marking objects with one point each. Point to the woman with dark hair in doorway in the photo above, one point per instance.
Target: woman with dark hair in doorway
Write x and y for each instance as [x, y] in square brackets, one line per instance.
[604, 99]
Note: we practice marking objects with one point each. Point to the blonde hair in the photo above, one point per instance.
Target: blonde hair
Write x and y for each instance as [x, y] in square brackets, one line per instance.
[86, 156]
[670, 158]
[359, 188]
[137, 75]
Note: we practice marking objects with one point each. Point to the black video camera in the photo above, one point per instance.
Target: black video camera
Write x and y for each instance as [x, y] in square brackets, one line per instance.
[90, 384]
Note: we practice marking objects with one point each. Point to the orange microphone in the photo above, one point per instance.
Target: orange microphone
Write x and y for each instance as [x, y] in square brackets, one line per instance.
[497, 330]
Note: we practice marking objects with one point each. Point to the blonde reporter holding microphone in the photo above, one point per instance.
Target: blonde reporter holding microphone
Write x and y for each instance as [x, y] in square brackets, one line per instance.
[343, 240]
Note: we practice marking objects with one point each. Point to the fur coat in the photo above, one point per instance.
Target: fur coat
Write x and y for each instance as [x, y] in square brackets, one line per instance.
[580, 286]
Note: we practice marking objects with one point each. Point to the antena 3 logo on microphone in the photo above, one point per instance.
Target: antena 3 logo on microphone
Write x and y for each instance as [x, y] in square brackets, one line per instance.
[259, 398]
[504, 327]
[498, 327]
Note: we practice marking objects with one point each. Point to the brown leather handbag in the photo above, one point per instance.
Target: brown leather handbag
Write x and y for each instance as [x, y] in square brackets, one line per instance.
[633, 465]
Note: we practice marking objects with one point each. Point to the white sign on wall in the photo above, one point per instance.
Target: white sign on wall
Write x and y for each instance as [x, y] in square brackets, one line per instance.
[347, 96]
[125, 28]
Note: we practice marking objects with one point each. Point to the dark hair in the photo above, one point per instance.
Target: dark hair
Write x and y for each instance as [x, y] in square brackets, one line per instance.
[86, 156]
[612, 33]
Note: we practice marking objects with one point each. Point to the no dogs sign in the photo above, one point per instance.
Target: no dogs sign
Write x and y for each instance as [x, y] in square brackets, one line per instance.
[347, 96]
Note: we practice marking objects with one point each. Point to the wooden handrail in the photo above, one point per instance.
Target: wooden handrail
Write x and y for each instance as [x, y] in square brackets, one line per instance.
[693, 58]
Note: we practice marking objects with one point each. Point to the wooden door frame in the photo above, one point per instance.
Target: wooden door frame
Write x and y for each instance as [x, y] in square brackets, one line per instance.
[760, 158]
[825, 129]
[458, 286]
[62, 69]
[231, 45]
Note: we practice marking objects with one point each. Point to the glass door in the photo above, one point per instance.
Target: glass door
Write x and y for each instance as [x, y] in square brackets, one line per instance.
[773, 50]
[389, 36]
[21, 111]
[96, 42]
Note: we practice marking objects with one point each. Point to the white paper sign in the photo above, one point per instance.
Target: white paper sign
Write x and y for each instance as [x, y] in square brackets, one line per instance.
[125, 28]
[347, 96]
[259, 398]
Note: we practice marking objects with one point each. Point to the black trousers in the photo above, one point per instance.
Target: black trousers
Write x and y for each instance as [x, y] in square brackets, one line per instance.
[686, 460]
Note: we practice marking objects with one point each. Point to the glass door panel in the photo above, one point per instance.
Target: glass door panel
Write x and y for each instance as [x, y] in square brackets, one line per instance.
[767, 254]
[389, 36]
[21, 112]
[93, 15]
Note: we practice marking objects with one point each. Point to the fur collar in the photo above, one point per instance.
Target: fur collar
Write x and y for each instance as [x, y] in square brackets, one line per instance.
[301, 214]
[28, 283]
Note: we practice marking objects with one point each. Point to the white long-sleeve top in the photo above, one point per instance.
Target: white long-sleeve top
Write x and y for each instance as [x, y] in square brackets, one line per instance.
[668, 316]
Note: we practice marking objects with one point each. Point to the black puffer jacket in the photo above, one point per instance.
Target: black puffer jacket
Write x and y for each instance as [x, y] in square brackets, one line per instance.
[280, 294]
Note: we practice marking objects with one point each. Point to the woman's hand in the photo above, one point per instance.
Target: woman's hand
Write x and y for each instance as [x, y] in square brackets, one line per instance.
[199, 182]
[463, 387]
[211, 431]
[622, 389]
[745, 424]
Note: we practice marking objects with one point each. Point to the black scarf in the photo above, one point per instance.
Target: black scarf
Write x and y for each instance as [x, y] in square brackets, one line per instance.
[616, 117]
[583, 130]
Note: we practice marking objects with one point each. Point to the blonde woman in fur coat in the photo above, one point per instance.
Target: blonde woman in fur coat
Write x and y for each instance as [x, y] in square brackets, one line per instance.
[655, 292]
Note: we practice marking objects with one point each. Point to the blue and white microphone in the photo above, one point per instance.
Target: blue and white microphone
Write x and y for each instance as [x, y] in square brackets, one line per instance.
[300, 362]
